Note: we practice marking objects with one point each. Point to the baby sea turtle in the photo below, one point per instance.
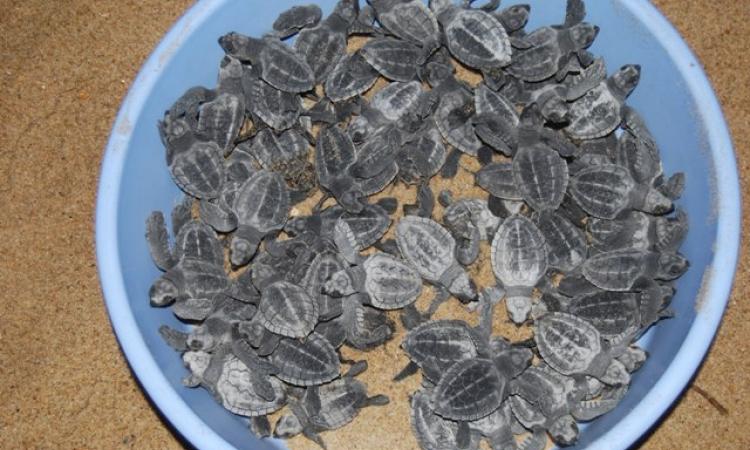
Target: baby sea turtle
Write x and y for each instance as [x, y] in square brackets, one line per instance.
[605, 191]
[435, 345]
[220, 119]
[432, 431]
[197, 167]
[296, 18]
[237, 392]
[619, 270]
[261, 206]
[409, 20]
[272, 61]
[351, 76]
[288, 310]
[327, 407]
[334, 155]
[353, 233]
[395, 59]
[543, 398]
[599, 111]
[639, 231]
[421, 157]
[389, 282]
[496, 121]
[541, 175]
[474, 37]
[306, 363]
[430, 249]
[566, 244]
[469, 390]
[278, 109]
[323, 45]
[497, 178]
[571, 346]
[519, 260]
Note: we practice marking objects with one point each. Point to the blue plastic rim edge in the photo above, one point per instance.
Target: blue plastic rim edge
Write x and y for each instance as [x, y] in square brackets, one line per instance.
[627, 431]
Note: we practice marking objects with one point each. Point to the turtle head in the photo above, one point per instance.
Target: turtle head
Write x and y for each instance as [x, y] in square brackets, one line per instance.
[657, 203]
[359, 129]
[287, 426]
[555, 109]
[626, 79]
[351, 200]
[340, 284]
[240, 46]
[200, 339]
[672, 266]
[241, 250]
[197, 362]
[163, 292]
[583, 34]
[463, 288]
[564, 430]
[515, 17]
[519, 307]
[347, 10]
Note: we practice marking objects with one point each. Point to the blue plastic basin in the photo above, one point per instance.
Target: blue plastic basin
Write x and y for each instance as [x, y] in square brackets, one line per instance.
[674, 97]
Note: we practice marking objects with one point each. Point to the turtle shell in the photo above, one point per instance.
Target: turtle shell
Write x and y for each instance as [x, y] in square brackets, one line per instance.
[220, 120]
[321, 48]
[306, 363]
[541, 60]
[198, 241]
[297, 18]
[440, 343]
[202, 279]
[377, 153]
[394, 59]
[487, 101]
[469, 390]
[566, 243]
[567, 343]
[616, 270]
[594, 115]
[351, 76]
[390, 283]
[476, 39]
[235, 388]
[452, 118]
[422, 157]
[519, 252]
[288, 310]
[263, 202]
[497, 178]
[431, 430]
[541, 175]
[396, 99]
[199, 170]
[426, 245]
[367, 226]
[602, 191]
[284, 69]
[612, 313]
[379, 181]
[339, 403]
[278, 109]
[409, 20]
[334, 154]
[284, 153]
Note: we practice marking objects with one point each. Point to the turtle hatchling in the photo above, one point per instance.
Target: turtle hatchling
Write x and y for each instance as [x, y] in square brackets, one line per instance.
[519, 260]
[431, 250]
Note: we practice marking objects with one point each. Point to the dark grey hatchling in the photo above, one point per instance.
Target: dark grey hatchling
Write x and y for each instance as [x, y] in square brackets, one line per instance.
[599, 111]
[323, 45]
[606, 190]
[261, 206]
[388, 282]
[296, 18]
[275, 294]
[410, 20]
[430, 249]
[327, 407]
[474, 37]
[519, 260]
[271, 60]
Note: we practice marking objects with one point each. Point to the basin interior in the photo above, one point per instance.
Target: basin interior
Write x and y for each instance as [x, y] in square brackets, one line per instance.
[662, 97]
